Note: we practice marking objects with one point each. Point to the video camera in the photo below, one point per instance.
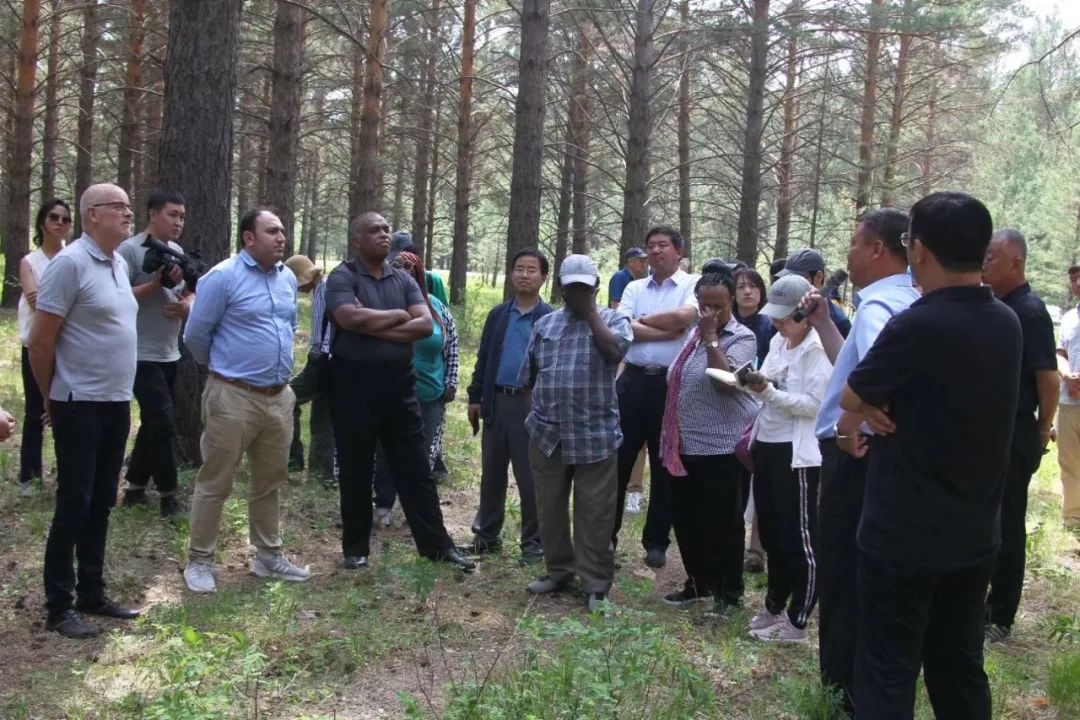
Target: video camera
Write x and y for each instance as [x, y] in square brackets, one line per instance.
[160, 255]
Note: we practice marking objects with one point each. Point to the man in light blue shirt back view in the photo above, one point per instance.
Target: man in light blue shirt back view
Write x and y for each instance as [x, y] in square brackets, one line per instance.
[877, 262]
[242, 325]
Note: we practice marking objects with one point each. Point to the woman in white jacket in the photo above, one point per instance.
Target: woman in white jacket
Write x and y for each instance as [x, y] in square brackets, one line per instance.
[786, 464]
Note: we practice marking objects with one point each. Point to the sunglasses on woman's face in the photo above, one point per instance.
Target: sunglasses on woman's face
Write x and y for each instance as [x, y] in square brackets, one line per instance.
[65, 219]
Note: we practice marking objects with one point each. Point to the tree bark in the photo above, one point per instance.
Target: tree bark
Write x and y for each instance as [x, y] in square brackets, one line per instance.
[20, 155]
[523, 223]
[927, 180]
[368, 193]
[425, 134]
[750, 195]
[84, 144]
[869, 108]
[896, 120]
[459, 259]
[566, 190]
[429, 225]
[819, 155]
[52, 107]
[285, 106]
[129, 123]
[579, 117]
[784, 170]
[685, 215]
[196, 156]
[635, 218]
[356, 110]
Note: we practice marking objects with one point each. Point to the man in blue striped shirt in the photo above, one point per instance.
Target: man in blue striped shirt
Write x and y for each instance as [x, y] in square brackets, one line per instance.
[242, 326]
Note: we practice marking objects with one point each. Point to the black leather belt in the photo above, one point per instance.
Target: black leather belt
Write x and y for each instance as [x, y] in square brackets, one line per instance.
[648, 369]
[511, 391]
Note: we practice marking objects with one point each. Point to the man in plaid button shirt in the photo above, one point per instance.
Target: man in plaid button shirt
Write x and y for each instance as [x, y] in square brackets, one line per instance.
[573, 426]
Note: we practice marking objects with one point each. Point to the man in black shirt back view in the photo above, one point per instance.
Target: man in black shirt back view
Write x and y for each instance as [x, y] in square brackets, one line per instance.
[939, 388]
[1003, 271]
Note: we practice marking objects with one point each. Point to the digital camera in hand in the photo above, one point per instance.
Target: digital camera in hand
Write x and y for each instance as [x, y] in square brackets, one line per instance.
[160, 255]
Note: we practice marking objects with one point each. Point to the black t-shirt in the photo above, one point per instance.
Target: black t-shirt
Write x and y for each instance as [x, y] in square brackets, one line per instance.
[947, 370]
[395, 290]
[1039, 354]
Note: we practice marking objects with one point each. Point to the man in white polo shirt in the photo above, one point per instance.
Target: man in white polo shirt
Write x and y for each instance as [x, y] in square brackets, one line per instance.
[82, 351]
[661, 307]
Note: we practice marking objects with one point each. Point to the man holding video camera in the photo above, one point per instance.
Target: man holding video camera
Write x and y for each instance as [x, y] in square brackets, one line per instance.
[157, 280]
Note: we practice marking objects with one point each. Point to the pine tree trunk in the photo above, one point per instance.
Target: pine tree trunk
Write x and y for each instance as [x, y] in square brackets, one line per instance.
[869, 109]
[368, 192]
[459, 259]
[635, 218]
[750, 196]
[429, 225]
[84, 150]
[819, 156]
[285, 105]
[20, 156]
[129, 123]
[566, 191]
[424, 135]
[685, 215]
[784, 170]
[356, 110]
[262, 152]
[523, 223]
[579, 117]
[930, 132]
[196, 155]
[153, 109]
[52, 107]
[896, 120]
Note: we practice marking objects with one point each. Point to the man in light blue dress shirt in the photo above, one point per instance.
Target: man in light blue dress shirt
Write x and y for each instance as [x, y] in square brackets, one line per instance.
[877, 262]
[242, 326]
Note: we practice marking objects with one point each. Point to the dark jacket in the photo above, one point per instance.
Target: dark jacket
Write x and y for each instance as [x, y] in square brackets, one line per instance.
[489, 355]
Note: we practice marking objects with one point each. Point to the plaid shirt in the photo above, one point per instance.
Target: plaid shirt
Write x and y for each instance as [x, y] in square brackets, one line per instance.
[450, 347]
[573, 401]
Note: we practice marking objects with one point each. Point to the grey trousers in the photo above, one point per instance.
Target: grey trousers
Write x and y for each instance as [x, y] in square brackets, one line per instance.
[595, 487]
[505, 443]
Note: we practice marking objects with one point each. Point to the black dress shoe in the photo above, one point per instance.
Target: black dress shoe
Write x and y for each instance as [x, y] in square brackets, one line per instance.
[655, 558]
[106, 608]
[480, 547]
[453, 556]
[71, 624]
[355, 562]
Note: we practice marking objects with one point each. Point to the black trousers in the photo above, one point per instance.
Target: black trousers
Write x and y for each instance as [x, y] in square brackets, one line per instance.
[843, 482]
[305, 385]
[33, 429]
[154, 455]
[505, 442]
[89, 439]
[641, 412]
[1007, 582]
[931, 620]
[376, 402]
[707, 512]
[786, 502]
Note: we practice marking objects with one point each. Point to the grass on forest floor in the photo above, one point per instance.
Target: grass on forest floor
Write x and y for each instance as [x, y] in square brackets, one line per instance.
[408, 638]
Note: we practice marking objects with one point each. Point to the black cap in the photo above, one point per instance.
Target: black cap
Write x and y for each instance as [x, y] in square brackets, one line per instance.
[776, 266]
[634, 253]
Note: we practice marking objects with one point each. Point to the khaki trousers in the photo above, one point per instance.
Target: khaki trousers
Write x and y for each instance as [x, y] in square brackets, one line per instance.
[238, 422]
[590, 554]
[1068, 441]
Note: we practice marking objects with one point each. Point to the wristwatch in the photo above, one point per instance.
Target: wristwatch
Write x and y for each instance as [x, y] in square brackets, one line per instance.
[714, 344]
[838, 436]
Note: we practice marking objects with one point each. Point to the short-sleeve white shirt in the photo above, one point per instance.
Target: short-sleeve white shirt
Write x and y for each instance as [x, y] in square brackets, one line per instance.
[1069, 341]
[646, 297]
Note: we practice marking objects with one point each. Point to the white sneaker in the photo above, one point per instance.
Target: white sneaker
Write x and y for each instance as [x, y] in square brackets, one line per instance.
[276, 565]
[384, 517]
[765, 619]
[27, 489]
[781, 632]
[633, 503]
[200, 577]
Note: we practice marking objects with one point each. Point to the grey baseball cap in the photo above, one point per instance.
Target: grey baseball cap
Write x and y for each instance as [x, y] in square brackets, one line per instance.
[400, 242]
[634, 253]
[784, 296]
[803, 262]
[579, 269]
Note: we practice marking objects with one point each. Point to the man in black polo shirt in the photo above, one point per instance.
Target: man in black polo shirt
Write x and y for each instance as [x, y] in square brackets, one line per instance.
[939, 388]
[379, 312]
[1003, 271]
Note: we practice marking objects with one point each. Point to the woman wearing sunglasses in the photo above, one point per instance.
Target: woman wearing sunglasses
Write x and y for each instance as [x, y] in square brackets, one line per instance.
[51, 227]
[435, 361]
